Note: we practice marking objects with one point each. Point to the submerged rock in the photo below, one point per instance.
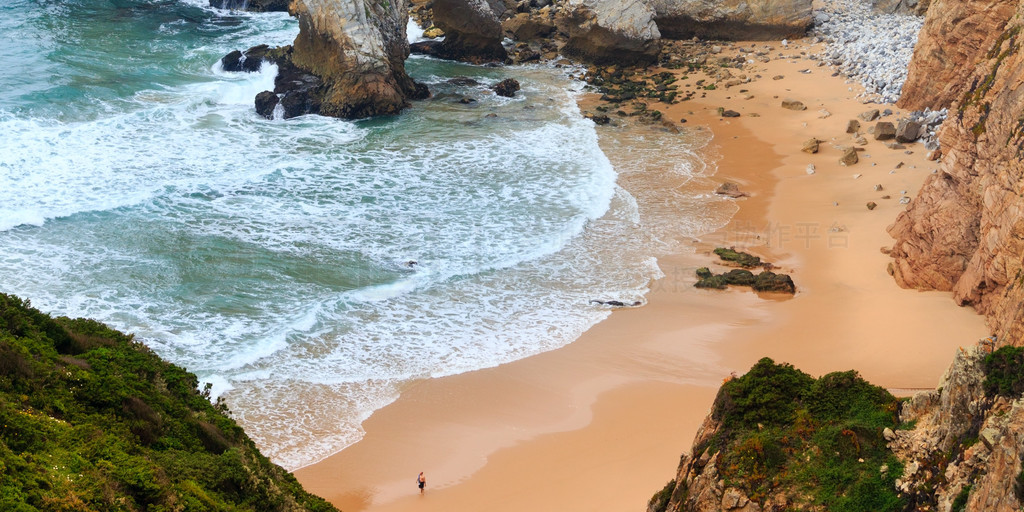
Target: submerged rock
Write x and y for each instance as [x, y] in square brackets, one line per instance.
[506, 87]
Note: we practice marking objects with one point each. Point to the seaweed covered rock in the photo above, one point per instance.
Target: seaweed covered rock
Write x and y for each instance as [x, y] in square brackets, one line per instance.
[740, 258]
[766, 281]
[779, 439]
[769, 281]
[92, 420]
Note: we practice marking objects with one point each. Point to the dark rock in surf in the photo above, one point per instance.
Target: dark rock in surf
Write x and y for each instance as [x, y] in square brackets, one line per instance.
[266, 101]
[506, 87]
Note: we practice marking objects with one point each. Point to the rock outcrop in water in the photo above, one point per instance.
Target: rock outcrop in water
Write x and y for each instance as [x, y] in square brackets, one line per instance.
[348, 60]
[732, 19]
[358, 49]
[965, 230]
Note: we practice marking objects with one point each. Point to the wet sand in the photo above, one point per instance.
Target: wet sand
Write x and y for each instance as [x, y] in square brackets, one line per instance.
[600, 424]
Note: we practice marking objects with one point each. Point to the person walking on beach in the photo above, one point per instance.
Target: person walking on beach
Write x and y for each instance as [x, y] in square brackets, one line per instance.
[422, 481]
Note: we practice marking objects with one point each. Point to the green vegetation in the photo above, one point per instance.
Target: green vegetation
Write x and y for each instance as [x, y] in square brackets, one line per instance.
[960, 502]
[660, 500]
[1004, 372]
[92, 420]
[740, 258]
[819, 441]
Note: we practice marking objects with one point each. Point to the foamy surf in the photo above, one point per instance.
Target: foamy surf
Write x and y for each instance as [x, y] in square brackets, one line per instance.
[272, 257]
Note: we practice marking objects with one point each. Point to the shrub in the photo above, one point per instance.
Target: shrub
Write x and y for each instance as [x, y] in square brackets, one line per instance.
[92, 420]
[1004, 372]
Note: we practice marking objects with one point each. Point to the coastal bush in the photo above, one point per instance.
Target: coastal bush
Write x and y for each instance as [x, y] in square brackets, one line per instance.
[1004, 372]
[90, 419]
[818, 441]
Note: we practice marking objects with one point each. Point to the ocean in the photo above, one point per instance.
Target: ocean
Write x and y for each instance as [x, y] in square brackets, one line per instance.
[311, 268]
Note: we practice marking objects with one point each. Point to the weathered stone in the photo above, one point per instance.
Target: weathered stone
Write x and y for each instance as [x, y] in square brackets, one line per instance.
[869, 115]
[506, 87]
[730, 189]
[908, 131]
[527, 27]
[884, 130]
[730, 113]
[611, 31]
[957, 34]
[266, 101]
[358, 51]
[472, 30]
[792, 104]
[849, 157]
[811, 145]
[733, 19]
[872, 205]
[853, 126]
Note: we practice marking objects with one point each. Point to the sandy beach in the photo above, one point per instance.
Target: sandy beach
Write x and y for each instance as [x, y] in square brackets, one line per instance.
[600, 424]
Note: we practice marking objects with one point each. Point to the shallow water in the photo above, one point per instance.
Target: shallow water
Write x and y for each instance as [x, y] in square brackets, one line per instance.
[273, 258]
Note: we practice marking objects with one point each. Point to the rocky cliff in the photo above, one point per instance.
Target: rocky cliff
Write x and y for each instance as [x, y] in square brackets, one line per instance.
[965, 230]
[956, 35]
[611, 31]
[472, 30]
[732, 19]
[348, 61]
[778, 440]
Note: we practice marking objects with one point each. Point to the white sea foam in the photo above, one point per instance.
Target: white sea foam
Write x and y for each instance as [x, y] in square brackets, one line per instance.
[269, 257]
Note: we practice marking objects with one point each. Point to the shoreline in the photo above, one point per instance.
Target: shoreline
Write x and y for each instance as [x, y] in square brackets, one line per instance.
[621, 403]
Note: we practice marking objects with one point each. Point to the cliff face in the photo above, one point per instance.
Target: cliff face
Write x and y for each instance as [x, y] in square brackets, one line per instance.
[958, 447]
[358, 49]
[965, 230]
[472, 30]
[732, 19]
[955, 35]
[610, 31]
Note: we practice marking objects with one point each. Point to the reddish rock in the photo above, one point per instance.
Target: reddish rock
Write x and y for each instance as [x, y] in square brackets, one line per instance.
[965, 230]
[955, 37]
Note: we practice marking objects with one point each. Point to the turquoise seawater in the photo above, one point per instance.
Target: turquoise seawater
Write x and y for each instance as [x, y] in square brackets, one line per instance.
[272, 258]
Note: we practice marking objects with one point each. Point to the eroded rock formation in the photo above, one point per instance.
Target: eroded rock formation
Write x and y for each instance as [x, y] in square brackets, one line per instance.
[965, 230]
[956, 34]
[358, 49]
[732, 19]
[611, 31]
